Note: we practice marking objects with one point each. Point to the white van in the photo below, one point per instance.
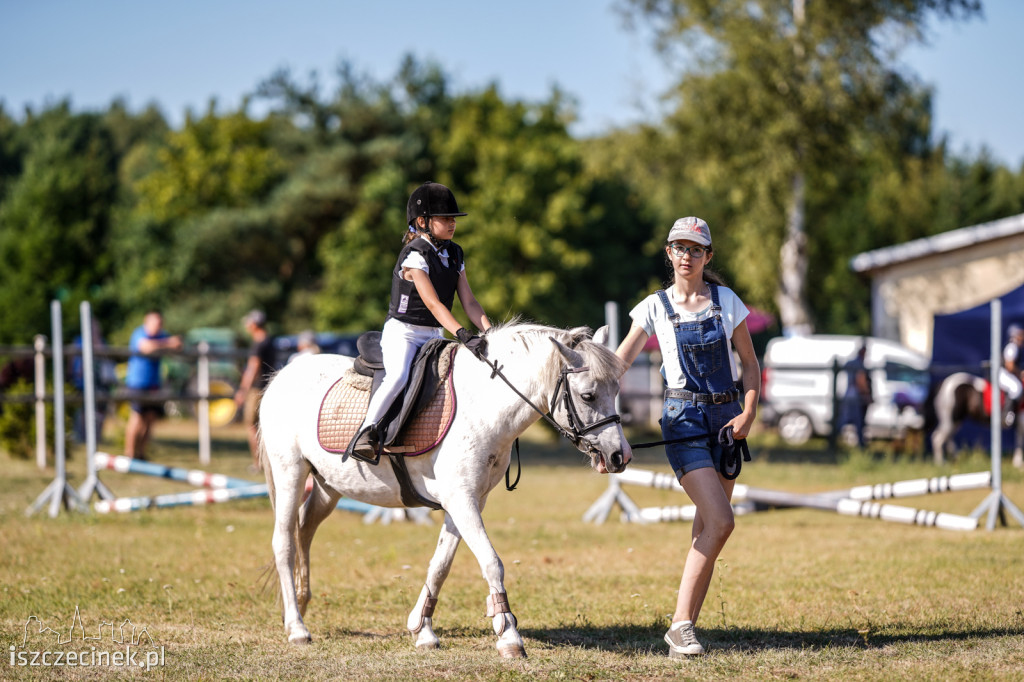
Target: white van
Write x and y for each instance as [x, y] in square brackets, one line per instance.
[799, 380]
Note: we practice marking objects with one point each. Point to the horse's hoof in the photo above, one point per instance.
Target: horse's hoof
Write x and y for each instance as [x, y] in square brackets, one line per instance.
[428, 646]
[300, 640]
[511, 651]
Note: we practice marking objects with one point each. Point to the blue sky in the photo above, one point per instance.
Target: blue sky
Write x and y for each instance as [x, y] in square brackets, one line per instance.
[183, 53]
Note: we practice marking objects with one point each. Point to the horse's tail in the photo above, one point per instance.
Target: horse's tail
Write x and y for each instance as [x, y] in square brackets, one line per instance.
[268, 572]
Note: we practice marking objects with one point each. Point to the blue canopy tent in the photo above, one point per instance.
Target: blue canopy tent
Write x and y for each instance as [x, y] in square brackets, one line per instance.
[961, 342]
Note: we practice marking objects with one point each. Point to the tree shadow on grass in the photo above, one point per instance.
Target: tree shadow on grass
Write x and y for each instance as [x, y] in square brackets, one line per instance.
[639, 639]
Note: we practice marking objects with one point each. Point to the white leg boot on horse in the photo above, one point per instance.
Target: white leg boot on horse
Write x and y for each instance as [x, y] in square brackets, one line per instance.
[421, 618]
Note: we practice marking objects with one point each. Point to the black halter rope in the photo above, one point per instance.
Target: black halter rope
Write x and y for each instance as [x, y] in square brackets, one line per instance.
[576, 429]
[732, 449]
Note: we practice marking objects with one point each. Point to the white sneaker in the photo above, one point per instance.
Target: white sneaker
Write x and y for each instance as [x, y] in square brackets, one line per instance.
[682, 641]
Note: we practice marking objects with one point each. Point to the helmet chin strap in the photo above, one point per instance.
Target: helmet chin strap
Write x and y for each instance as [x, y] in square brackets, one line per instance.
[438, 243]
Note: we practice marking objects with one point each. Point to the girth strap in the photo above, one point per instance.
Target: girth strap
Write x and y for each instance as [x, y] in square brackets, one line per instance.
[410, 496]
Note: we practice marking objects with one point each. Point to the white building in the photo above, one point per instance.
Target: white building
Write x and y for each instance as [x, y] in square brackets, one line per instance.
[945, 273]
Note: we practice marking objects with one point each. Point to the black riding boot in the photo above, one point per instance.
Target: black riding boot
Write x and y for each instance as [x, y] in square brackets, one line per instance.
[367, 446]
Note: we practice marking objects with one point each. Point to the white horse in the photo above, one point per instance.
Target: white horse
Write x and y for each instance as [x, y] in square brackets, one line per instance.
[458, 474]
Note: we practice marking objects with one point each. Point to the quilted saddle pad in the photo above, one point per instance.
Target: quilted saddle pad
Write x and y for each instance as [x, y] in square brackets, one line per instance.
[343, 409]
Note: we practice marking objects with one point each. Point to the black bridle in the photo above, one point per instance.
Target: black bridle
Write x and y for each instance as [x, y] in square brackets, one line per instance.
[577, 429]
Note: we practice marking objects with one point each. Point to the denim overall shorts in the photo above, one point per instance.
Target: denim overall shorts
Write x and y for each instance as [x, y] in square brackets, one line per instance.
[702, 348]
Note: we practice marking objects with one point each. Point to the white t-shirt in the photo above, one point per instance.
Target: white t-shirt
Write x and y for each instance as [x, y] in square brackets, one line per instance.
[1010, 352]
[416, 261]
[651, 316]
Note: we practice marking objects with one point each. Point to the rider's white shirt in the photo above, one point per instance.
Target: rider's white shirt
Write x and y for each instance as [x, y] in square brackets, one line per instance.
[416, 261]
[651, 316]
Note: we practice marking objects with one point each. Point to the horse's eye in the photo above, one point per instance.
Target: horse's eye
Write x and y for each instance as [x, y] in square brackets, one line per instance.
[589, 397]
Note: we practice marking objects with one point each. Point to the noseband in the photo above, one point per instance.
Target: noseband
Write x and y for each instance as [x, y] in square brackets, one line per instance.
[577, 429]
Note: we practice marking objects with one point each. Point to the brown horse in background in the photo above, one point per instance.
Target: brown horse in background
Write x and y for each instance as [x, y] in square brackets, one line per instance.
[961, 396]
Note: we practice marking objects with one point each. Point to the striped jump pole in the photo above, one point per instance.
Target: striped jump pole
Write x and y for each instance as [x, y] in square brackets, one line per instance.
[856, 501]
[685, 512]
[899, 514]
[195, 498]
[916, 487]
[202, 497]
[201, 479]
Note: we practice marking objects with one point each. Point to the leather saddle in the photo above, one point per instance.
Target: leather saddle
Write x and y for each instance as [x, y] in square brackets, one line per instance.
[417, 420]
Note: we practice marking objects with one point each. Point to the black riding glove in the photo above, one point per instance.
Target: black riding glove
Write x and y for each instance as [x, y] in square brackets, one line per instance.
[477, 345]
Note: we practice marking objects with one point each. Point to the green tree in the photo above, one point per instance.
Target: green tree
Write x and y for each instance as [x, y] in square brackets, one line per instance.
[176, 240]
[780, 99]
[55, 218]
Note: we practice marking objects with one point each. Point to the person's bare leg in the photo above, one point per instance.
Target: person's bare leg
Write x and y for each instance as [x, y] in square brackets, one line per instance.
[712, 527]
[131, 433]
[145, 432]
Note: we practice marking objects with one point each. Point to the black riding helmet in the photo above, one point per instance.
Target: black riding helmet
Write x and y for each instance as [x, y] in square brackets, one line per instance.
[431, 199]
[427, 200]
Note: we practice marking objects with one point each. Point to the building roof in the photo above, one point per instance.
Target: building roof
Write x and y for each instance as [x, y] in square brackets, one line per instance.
[939, 243]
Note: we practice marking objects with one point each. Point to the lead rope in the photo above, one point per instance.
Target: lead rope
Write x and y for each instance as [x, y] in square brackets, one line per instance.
[732, 449]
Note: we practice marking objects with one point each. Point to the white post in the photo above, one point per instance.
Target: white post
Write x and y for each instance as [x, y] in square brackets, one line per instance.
[59, 437]
[92, 481]
[59, 491]
[89, 388]
[40, 386]
[996, 503]
[203, 406]
[996, 422]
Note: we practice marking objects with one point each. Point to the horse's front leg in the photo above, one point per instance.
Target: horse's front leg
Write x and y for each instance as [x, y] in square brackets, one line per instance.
[421, 619]
[466, 516]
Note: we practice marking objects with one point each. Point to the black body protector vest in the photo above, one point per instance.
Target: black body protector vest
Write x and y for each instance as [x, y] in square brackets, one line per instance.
[406, 304]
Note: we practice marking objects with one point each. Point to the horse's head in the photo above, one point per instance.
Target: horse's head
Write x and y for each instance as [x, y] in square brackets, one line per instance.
[583, 403]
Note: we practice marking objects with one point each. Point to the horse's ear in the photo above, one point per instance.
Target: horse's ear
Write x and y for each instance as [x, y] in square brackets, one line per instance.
[602, 335]
[574, 358]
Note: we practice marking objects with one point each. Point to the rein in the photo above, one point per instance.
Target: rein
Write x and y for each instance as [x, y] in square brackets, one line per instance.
[576, 429]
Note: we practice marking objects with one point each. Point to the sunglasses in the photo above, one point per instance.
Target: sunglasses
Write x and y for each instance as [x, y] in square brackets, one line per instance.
[694, 251]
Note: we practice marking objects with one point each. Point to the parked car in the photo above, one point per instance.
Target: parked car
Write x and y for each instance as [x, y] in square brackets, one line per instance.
[799, 380]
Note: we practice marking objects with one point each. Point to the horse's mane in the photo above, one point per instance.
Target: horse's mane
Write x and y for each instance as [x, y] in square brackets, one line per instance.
[603, 362]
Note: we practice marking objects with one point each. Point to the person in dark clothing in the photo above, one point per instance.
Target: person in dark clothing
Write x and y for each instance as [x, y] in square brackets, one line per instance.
[258, 368]
[858, 394]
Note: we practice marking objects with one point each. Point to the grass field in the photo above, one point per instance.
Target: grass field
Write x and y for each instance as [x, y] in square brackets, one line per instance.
[798, 594]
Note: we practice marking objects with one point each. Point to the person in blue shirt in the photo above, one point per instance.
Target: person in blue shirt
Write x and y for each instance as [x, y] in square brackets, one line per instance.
[143, 376]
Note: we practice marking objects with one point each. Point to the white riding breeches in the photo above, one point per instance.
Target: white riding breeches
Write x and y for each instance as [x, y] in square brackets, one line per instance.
[1009, 384]
[398, 344]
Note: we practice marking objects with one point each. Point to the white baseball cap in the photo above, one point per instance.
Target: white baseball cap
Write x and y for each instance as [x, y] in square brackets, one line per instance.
[692, 229]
